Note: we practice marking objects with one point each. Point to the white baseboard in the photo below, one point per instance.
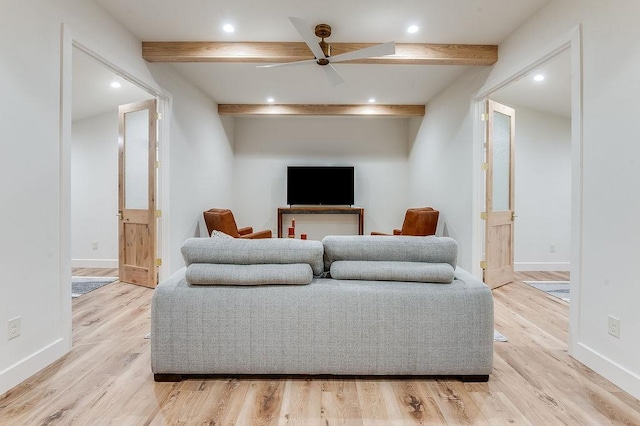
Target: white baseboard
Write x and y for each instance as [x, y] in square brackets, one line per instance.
[626, 380]
[94, 263]
[19, 372]
[542, 266]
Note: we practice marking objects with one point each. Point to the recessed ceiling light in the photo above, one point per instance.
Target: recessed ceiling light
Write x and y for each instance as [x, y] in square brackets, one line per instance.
[538, 77]
[116, 85]
[372, 100]
[412, 29]
[270, 100]
[228, 28]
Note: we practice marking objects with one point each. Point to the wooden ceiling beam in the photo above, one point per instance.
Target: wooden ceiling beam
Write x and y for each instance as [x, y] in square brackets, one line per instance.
[281, 52]
[309, 109]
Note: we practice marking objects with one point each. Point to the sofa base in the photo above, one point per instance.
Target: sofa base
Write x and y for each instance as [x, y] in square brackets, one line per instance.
[167, 377]
[178, 377]
[329, 327]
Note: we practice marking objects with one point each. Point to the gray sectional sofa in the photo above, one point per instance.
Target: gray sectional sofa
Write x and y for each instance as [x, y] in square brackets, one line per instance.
[346, 305]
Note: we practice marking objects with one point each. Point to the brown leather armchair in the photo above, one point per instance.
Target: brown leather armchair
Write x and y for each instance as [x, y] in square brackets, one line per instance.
[418, 221]
[222, 220]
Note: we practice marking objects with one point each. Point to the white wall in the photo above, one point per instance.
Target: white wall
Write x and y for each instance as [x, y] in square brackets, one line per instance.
[201, 161]
[441, 162]
[542, 191]
[376, 147]
[604, 248]
[35, 252]
[94, 191]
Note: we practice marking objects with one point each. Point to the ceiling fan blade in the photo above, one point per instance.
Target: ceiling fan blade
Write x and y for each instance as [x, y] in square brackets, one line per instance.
[333, 75]
[368, 52]
[308, 36]
[283, 64]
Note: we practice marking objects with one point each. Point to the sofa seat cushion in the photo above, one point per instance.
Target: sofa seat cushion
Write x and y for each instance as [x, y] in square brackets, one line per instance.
[375, 270]
[254, 251]
[226, 274]
[397, 248]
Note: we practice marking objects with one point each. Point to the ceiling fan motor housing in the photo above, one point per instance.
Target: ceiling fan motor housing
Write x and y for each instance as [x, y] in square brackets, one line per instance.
[323, 31]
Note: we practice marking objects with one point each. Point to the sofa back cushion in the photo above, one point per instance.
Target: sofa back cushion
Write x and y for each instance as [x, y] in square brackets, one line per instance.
[398, 248]
[254, 251]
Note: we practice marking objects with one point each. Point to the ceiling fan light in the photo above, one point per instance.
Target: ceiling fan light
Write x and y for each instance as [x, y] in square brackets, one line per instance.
[228, 28]
[538, 77]
[412, 29]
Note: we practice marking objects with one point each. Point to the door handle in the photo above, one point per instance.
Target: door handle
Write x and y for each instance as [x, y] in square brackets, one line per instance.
[513, 216]
[119, 215]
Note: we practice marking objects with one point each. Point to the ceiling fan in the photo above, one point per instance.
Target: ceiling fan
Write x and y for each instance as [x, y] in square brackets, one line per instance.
[322, 50]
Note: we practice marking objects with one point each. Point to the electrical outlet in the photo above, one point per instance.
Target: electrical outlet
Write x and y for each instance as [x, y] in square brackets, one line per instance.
[95, 245]
[552, 248]
[614, 326]
[14, 328]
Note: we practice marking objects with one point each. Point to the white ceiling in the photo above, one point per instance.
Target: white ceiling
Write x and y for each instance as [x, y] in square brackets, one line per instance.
[441, 21]
[552, 95]
[92, 91]
[372, 21]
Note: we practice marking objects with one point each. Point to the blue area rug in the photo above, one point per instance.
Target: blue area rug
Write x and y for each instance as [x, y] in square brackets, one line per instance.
[83, 285]
[559, 289]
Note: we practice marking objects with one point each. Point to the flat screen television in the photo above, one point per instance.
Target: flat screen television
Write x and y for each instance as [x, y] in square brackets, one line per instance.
[320, 185]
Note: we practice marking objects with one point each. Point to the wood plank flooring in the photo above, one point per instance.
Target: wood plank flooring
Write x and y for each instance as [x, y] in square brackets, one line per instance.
[106, 379]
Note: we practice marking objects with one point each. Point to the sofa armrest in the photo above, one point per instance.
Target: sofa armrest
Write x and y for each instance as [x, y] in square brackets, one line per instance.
[397, 232]
[260, 234]
[246, 230]
[378, 233]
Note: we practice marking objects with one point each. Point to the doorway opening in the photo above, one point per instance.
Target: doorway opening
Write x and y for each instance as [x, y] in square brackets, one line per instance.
[561, 161]
[91, 158]
[97, 91]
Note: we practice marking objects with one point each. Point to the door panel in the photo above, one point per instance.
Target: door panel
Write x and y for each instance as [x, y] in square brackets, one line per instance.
[136, 155]
[499, 195]
[137, 193]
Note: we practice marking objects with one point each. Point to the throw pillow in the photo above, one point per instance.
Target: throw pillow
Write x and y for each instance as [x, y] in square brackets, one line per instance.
[219, 234]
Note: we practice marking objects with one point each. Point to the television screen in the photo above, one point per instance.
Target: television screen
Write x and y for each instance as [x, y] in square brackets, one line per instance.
[320, 185]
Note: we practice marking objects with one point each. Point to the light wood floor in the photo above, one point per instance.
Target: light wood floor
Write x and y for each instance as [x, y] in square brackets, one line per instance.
[106, 379]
